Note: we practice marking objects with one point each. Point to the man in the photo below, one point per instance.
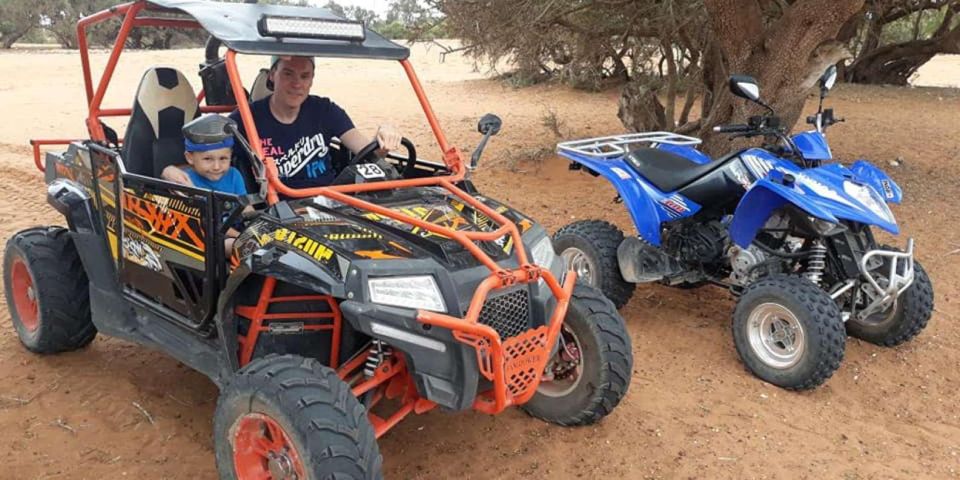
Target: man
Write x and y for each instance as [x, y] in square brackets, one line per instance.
[295, 128]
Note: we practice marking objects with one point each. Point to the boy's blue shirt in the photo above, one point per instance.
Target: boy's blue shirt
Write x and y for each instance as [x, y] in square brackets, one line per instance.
[230, 182]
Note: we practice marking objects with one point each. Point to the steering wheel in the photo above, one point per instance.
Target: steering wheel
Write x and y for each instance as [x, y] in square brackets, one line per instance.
[368, 151]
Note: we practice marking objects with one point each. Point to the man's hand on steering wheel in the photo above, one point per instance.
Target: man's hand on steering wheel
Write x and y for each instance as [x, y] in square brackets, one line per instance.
[388, 137]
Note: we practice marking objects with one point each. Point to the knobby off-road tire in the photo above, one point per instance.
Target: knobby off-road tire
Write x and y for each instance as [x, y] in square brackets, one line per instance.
[48, 294]
[909, 316]
[606, 364]
[595, 243]
[789, 332]
[309, 408]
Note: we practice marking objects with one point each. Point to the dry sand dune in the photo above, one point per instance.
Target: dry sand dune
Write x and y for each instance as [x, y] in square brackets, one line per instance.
[692, 410]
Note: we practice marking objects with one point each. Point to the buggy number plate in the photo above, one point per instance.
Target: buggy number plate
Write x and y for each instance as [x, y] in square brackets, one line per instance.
[370, 170]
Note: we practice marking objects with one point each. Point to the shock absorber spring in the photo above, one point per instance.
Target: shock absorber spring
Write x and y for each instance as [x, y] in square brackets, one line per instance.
[816, 262]
[379, 352]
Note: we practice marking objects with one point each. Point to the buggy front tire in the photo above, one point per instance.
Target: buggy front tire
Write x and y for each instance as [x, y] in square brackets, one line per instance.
[48, 294]
[589, 247]
[789, 332]
[292, 417]
[903, 320]
[590, 372]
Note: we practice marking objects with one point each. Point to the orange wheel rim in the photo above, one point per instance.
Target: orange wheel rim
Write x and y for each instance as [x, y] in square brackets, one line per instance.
[262, 450]
[24, 295]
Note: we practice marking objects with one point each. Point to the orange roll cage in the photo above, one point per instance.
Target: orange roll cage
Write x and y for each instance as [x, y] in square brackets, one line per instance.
[513, 366]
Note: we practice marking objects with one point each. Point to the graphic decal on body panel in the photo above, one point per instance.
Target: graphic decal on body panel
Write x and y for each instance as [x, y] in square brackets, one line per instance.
[142, 252]
[168, 222]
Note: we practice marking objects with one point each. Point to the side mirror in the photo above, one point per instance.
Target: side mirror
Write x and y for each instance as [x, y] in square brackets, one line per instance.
[489, 123]
[745, 86]
[828, 79]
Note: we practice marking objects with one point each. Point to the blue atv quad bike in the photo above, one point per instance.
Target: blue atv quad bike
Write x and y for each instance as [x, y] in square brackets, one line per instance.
[785, 228]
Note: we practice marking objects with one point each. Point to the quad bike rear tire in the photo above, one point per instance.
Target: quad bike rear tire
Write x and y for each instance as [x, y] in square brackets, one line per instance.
[292, 417]
[48, 294]
[590, 248]
[595, 382]
[789, 332]
[903, 320]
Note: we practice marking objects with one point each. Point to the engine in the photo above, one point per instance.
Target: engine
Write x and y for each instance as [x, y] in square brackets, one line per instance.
[697, 244]
[744, 264]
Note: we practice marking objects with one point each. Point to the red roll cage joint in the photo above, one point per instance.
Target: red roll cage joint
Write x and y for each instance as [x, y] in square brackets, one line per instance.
[513, 366]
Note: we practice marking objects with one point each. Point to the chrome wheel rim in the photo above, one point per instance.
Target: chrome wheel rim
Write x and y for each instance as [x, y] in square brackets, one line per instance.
[578, 261]
[776, 335]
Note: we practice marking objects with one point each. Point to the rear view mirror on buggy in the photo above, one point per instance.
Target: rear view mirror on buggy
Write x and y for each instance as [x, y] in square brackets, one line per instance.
[488, 125]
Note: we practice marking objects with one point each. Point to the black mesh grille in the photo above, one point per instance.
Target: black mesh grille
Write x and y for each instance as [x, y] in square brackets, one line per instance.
[508, 314]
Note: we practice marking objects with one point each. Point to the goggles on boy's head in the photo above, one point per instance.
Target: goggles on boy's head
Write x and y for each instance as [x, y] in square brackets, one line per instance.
[206, 147]
[206, 133]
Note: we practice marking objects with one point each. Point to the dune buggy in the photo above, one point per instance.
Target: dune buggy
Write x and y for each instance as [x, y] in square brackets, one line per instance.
[342, 309]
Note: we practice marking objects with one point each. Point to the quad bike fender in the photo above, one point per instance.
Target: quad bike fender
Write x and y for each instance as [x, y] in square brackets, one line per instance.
[878, 179]
[642, 208]
[761, 201]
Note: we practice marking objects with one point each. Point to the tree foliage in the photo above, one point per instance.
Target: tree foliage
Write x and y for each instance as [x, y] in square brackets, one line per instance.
[670, 56]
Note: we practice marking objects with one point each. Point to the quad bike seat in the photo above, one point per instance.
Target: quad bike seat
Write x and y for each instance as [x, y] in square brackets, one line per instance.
[667, 171]
[165, 101]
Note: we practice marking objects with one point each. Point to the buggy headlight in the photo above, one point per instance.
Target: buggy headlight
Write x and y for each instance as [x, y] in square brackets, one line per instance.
[868, 198]
[419, 292]
[542, 253]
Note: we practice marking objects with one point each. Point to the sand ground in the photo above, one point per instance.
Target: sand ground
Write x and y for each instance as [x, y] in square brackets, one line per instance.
[692, 410]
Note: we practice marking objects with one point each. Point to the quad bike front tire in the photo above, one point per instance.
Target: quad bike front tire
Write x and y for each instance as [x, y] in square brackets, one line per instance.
[48, 294]
[589, 247]
[903, 320]
[789, 332]
[590, 372]
[292, 417]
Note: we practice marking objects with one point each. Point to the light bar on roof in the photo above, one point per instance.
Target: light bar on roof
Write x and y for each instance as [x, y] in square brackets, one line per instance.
[306, 27]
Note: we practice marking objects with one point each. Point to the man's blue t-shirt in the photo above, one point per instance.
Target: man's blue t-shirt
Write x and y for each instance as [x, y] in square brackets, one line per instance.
[230, 182]
[301, 149]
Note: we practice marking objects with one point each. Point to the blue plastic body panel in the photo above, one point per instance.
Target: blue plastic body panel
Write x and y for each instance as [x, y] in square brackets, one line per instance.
[648, 206]
[813, 145]
[818, 191]
[878, 179]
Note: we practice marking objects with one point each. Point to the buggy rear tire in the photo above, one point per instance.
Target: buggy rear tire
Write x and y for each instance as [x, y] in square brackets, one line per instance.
[789, 332]
[910, 315]
[595, 382]
[589, 247]
[48, 294]
[289, 414]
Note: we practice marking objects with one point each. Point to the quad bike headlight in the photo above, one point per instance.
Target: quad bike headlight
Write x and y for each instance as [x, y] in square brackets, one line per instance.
[543, 253]
[868, 198]
[416, 292]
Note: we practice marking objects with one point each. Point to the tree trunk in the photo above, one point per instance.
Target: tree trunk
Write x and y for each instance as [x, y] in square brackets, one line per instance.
[7, 41]
[895, 64]
[639, 108]
[782, 56]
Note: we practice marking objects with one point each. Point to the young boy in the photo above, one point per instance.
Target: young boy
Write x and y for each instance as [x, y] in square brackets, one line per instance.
[208, 148]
